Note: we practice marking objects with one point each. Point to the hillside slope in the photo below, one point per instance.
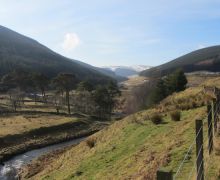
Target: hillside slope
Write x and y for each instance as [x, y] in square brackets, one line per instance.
[106, 72]
[134, 148]
[206, 59]
[20, 52]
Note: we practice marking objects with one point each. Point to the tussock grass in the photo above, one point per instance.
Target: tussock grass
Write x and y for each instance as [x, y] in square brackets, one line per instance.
[175, 115]
[156, 119]
[90, 142]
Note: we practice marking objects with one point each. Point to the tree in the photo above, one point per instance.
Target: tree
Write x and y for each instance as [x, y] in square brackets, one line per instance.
[57, 101]
[18, 78]
[101, 100]
[105, 98]
[159, 93]
[85, 86]
[174, 82]
[82, 101]
[180, 80]
[41, 82]
[16, 98]
[65, 82]
[113, 93]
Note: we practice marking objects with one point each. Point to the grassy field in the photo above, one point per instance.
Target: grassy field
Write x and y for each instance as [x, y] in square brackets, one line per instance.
[35, 125]
[18, 124]
[196, 79]
[135, 148]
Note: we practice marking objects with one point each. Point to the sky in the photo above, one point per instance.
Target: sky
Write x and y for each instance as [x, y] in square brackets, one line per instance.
[116, 32]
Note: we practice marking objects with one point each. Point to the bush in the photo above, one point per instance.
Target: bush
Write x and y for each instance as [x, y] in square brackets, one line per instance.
[90, 143]
[175, 115]
[185, 106]
[156, 119]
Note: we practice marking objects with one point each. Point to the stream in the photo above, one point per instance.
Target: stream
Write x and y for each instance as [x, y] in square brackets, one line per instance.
[9, 169]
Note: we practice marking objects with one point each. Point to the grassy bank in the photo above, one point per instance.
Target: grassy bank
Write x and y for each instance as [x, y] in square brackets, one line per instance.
[131, 148]
[19, 123]
[20, 133]
[135, 148]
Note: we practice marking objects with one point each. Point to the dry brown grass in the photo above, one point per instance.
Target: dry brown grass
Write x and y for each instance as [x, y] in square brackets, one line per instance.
[18, 124]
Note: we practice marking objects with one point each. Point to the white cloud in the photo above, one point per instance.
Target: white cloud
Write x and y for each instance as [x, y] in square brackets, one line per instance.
[71, 41]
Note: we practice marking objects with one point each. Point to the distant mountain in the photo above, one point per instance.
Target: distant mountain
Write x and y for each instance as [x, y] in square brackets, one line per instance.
[126, 71]
[206, 59]
[104, 71]
[20, 52]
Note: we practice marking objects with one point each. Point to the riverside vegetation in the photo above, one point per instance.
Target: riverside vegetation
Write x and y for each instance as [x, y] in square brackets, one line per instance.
[37, 111]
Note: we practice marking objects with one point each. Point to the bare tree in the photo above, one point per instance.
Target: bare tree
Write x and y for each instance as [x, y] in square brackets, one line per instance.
[65, 82]
[82, 101]
[16, 98]
[56, 100]
[137, 98]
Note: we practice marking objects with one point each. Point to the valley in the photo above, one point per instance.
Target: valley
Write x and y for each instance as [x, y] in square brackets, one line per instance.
[61, 118]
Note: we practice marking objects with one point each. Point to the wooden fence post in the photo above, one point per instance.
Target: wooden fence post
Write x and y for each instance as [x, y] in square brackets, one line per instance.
[217, 115]
[164, 175]
[210, 129]
[214, 115]
[199, 150]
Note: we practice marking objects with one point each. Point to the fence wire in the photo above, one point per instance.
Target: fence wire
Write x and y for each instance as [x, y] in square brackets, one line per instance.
[191, 146]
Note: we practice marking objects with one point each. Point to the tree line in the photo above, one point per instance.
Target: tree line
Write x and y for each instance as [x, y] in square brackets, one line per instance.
[165, 86]
[64, 90]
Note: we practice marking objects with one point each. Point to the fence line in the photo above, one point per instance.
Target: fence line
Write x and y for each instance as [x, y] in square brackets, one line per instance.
[199, 163]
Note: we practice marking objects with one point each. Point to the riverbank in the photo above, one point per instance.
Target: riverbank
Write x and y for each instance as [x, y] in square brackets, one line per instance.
[14, 144]
[12, 167]
[38, 164]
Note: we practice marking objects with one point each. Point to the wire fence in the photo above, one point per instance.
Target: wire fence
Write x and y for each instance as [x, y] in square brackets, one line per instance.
[201, 156]
[197, 159]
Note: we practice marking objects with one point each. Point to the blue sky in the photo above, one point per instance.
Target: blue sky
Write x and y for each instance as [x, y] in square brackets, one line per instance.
[116, 32]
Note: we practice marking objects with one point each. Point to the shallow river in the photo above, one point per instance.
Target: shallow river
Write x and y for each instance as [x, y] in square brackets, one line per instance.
[8, 171]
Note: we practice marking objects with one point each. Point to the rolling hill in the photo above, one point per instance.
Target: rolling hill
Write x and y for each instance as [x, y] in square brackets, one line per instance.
[206, 59]
[20, 52]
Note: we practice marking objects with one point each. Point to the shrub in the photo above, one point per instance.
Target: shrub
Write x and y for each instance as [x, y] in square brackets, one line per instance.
[156, 119]
[185, 106]
[90, 143]
[175, 115]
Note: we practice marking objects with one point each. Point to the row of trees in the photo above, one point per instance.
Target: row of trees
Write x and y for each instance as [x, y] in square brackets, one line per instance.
[65, 89]
[165, 86]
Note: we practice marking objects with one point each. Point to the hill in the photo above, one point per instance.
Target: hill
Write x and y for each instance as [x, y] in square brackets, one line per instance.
[20, 52]
[126, 71]
[206, 59]
[104, 71]
[134, 148]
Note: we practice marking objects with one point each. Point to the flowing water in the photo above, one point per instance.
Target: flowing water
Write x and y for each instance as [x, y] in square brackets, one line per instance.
[9, 169]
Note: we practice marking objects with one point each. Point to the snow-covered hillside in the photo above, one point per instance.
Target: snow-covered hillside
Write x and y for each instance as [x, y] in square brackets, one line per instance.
[127, 71]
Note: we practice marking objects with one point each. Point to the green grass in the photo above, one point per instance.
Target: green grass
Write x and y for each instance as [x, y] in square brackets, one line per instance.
[132, 150]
